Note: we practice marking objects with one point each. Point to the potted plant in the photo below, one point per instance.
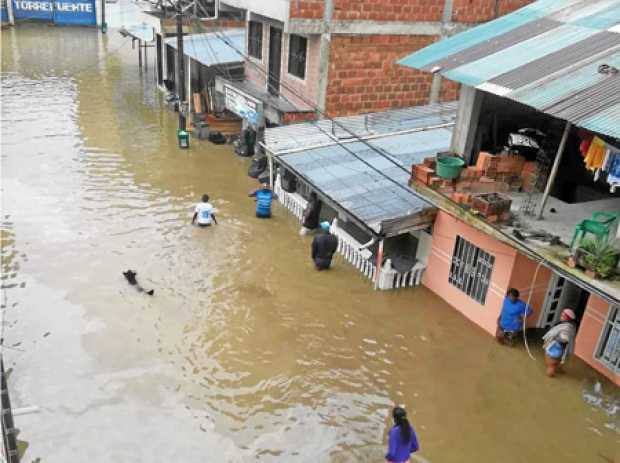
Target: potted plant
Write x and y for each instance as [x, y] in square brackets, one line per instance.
[598, 257]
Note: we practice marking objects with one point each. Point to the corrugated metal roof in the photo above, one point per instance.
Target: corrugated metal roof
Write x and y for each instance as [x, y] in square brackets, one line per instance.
[141, 31]
[546, 55]
[210, 50]
[374, 190]
[283, 139]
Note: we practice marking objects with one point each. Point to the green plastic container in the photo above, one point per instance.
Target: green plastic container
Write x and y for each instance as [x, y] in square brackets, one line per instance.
[449, 167]
[183, 139]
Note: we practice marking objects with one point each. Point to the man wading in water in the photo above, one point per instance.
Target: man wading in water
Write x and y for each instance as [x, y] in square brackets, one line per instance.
[324, 246]
[559, 341]
[204, 213]
[510, 321]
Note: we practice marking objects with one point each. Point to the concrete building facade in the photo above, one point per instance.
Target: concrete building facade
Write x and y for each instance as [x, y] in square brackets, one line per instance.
[340, 55]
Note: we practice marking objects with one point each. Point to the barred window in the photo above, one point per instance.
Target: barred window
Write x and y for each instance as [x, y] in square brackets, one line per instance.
[609, 350]
[297, 56]
[255, 40]
[471, 269]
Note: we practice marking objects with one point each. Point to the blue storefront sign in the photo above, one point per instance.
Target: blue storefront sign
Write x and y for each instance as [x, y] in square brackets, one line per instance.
[73, 12]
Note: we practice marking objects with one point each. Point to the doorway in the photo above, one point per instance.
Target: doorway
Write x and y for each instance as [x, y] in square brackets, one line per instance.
[562, 294]
[275, 58]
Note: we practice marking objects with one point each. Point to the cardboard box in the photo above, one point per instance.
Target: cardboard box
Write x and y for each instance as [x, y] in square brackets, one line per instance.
[430, 162]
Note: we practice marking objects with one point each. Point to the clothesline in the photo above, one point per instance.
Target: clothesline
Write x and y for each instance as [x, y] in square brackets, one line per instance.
[600, 156]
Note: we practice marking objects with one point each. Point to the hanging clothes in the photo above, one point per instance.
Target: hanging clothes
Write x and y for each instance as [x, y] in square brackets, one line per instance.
[584, 146]
[613, 169]
[596, 154]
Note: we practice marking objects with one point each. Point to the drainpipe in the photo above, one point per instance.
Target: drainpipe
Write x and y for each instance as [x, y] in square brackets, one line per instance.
[436, 83]
[326, 39]
[554, 169]
[379, 261]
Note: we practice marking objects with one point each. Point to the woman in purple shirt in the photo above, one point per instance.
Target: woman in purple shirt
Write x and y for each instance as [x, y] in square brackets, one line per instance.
[402, 441]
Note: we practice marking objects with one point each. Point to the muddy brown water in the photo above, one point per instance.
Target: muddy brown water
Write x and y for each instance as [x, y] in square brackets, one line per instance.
[245, 353]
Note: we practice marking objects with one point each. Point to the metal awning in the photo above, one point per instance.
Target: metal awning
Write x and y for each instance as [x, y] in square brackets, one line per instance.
[210, 50]
[143, 32]
[367, 178]
[561, 57]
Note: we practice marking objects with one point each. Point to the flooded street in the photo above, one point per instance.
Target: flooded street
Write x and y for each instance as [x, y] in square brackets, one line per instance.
[245, 352]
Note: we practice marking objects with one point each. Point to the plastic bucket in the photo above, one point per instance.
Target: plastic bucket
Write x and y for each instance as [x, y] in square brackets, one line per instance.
[449, 167]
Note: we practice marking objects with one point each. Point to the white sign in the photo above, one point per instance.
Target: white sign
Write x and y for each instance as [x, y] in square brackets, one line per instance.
[28, 5]
[243, 105]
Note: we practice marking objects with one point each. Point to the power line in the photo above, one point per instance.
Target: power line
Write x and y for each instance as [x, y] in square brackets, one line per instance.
[379, 151]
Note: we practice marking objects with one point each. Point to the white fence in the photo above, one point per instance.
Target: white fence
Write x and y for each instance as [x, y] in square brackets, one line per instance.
[350, 248]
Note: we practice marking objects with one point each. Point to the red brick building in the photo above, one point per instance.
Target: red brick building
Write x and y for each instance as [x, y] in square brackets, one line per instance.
[340, 55]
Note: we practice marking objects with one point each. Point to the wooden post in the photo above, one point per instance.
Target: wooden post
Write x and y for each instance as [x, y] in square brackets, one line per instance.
[379, 264]
[554, 170]
[270, 161]
[139, 53]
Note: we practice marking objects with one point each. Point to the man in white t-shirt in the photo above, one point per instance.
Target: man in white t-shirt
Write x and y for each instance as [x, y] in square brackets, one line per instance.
[204, 214]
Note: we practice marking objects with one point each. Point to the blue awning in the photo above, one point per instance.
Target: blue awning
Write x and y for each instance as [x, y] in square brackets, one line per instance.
[209, 49]
[561, 57]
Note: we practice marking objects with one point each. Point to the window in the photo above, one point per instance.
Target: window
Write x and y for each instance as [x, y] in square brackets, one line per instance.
[255, 40]
[609, 351]
[297, 56]
[471, 269]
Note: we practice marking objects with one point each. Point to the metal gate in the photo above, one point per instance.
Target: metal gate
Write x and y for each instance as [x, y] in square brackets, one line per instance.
[471, 269]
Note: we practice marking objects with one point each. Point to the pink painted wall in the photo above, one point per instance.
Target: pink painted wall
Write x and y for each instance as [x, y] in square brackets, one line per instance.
[445, 231]
[522, 278]
[589, 333]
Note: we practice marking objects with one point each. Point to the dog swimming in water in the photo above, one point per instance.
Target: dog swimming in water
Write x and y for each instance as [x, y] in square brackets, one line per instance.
[130, 276]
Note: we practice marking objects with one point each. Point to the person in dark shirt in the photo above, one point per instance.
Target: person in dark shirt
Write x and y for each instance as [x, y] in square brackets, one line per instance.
[324, 246]
[402, 440]
[311, 215]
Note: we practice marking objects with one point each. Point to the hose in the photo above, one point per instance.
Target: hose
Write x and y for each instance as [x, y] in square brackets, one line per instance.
[529, 298]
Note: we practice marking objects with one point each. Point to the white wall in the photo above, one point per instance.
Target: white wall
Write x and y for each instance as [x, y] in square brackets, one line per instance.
[274, 9]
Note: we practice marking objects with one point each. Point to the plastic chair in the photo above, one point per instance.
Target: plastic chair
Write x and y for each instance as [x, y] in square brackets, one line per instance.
[599, 225]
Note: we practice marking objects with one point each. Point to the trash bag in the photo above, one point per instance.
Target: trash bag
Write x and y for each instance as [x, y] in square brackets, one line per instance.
[217, 138]
[259, 164]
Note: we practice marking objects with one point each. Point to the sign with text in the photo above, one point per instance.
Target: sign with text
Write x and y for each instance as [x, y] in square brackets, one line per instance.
[75, 12]
[243, 105]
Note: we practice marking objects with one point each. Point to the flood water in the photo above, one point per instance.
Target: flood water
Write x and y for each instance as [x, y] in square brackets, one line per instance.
[245, 353]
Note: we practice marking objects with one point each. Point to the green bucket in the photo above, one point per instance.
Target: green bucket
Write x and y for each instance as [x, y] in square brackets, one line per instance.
[449, 167]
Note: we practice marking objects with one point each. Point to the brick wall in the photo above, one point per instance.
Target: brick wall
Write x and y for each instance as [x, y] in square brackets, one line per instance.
[364, 76]
[475, 11]
[389, 10]
[307, 9]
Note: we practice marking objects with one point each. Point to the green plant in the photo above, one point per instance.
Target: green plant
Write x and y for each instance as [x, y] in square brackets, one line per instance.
[599, 257]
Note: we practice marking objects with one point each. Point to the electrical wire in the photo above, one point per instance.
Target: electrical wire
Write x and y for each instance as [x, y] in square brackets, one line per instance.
[529, 299]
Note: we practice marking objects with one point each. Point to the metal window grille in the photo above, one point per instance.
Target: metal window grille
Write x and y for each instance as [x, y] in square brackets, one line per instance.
[471, 270]
[255, 40]
[609, 351]
[297, 56]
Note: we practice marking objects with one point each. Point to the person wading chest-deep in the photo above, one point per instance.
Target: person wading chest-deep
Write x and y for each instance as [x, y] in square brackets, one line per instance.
[204, 213]
[324, 246]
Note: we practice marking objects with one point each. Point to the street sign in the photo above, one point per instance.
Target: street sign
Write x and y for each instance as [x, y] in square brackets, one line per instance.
[75, 12]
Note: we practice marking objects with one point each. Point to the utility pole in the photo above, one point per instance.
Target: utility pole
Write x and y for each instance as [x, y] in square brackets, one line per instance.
[9, 7]
[104, 26]
[181, 67]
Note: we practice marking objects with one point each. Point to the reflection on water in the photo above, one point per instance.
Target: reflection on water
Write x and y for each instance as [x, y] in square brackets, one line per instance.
[245, 353]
